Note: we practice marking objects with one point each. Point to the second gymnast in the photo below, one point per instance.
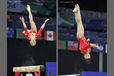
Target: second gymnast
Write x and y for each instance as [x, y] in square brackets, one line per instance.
[85, 46]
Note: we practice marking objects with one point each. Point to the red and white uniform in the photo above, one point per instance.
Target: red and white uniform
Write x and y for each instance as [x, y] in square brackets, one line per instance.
[33, 31]
[84, 45]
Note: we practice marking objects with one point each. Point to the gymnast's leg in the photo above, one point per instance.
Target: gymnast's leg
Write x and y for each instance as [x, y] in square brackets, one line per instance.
[33, 25]
[80, 28]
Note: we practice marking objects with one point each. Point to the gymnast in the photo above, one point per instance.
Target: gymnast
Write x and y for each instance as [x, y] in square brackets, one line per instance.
[32, 34]
[85, 46]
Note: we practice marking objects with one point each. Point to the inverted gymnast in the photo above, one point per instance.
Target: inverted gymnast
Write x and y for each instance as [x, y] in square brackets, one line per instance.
[85, 46]
[32, 34]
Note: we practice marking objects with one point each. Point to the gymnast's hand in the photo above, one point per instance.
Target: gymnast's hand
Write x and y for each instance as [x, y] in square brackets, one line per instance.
[98, 47]
[21, 18]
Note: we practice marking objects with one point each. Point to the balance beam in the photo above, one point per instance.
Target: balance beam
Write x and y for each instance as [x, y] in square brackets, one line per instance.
[39, 68]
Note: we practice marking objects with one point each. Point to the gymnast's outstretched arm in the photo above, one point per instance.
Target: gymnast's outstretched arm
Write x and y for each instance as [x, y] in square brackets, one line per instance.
[24, 25]
[42, 27]
[96, 46]
[44, 23]
[23, 22]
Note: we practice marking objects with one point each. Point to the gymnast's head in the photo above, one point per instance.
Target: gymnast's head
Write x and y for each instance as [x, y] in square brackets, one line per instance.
[32, 40]
[87, 57]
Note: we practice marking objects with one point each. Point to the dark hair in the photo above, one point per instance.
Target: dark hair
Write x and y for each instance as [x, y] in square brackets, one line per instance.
[88, 61]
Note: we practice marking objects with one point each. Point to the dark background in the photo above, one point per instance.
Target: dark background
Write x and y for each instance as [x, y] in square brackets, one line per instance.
[71, 62]
[20, 53]
[92, 5]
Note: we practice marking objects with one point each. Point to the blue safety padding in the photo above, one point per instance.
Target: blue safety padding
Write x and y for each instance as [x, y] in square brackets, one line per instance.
[50, 67]
[85, 73]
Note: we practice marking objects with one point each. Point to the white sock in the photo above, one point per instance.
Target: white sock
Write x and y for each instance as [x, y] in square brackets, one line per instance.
[74, 10]
[48, 19]
[28, 9]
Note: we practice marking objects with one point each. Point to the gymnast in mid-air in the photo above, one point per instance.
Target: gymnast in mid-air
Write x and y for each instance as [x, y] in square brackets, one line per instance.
[32, 34]
[85, 46]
